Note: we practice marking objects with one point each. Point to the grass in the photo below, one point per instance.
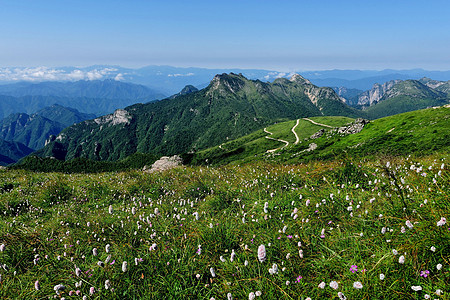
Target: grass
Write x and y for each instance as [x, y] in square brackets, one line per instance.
[254, 146]
[420, 133]
[323, 220]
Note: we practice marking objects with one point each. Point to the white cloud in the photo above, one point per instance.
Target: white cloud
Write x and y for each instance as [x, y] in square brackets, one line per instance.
[50, 74]
[182, 75]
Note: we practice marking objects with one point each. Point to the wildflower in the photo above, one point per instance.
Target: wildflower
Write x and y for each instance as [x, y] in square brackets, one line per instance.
[110, 209]
[424, 273]
[92, 290]
[261, 253]
[381, 276]
[258, 293]
[395, 252]
[2, 247]
[433, 248]
[401, 259]
[107, 284]
[298, 279]
[108, 259]
[78, 272]
[124, 266]
[251, 296]
[322, 285]
[341, 296]
[233, 254]
[439, 266]
[107, 247]
[59, 288]
[416, 288]
[357, 285]
[213, 273]
[229, 296]
[334, 285]
[94, 252]
[442, 222]
[300, 253]
[409, 224]
[438, 292]
[37, 286]
[354, 268]
[101, 264]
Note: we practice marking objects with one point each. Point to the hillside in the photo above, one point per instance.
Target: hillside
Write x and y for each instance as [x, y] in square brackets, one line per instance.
[33, 130]
[417, 133]
[230, 107]
[10, 152]
[406, 96]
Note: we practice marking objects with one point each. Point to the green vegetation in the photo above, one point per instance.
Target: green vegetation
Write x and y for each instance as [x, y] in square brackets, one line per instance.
[372, 228]
[135, 161]
[417, 133]
[230, 107]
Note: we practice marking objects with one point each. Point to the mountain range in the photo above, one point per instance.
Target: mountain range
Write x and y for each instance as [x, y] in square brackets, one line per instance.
[170, 80]
[229, 107]
[92, 97]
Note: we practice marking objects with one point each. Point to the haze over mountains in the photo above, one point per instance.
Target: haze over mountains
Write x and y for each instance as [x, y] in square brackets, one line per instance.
[170, 80]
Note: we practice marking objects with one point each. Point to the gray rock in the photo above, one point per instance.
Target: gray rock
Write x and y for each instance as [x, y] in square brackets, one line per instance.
[164, 163]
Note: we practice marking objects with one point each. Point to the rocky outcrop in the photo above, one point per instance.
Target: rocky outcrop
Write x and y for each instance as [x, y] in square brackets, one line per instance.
[375, 94]
[352, 128]
[318, 134]
[164, 163]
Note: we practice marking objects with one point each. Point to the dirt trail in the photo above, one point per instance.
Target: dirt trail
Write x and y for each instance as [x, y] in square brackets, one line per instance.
[317, 123]
[297, 139]
[269, 138]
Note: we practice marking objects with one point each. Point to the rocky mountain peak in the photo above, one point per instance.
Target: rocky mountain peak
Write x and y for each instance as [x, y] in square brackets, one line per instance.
[299, 79]
[227, 82]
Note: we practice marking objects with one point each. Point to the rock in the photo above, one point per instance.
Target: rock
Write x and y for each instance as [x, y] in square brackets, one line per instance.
[354, 127]
[318, 134]
[164, 163]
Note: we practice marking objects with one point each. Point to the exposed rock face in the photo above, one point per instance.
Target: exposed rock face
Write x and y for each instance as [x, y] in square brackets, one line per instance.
[353, 128]
[377, 92]
[318, 134]
[164, 163]
[120, 116]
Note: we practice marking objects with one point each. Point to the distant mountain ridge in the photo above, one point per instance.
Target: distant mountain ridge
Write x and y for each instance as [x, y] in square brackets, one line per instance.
[10, 152]
[229, 107]
[170, 80]
[104, 89]
[92, 97]
[33, 130]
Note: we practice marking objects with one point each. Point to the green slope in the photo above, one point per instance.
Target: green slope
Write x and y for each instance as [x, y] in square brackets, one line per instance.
[419, 132]
[408, 95]
[255, 145]
[230, 107]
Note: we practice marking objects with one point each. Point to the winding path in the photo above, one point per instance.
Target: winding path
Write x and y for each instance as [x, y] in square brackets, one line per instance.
[297, 139]
[317, 123]
[269, 138]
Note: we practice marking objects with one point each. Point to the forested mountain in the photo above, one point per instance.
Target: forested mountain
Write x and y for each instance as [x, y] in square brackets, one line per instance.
[231, 106]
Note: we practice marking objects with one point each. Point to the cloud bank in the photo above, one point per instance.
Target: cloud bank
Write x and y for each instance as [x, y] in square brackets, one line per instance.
[51, 74]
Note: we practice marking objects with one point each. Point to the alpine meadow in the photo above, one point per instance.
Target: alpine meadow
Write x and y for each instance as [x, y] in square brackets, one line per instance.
[224, 150]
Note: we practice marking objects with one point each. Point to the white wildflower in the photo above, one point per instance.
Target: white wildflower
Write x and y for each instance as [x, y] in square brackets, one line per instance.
[261, 253]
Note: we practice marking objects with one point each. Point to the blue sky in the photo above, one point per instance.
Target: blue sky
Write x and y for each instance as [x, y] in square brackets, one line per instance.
[280, 35]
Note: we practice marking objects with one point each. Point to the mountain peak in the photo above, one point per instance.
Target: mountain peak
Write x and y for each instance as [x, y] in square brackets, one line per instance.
[231, 82]
[299, 79]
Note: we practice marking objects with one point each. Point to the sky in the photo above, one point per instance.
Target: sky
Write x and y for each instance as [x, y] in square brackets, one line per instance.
[281, 35]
